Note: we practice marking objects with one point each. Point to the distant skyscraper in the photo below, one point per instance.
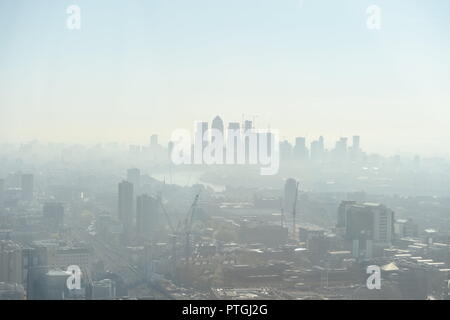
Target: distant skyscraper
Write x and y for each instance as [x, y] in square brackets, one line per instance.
[300, 150]
[248, 125]
[217, 124]
[53, 214]
[154, 140]
[317, 151]
[134, 176]
[342, 213]
[125, 210]
[356, 140]
[201, 139]
[27, 185]
[269, 138]
[233, 131]
[248, 130]
[321, 143]
[355, 151]
[234, 126]
[202, 129]
[147, 215]
[342, 144]
[300, 142]
[285, 151]
[340, 150]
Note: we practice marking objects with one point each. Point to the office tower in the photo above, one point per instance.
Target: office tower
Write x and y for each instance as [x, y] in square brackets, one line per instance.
[367, 226]
[248, 131]
[234, 126]
[343, 142]
[285, 151]
[248, 125]
[321, 144]
[317, 152]
[217, 124]
[134, 177]
[154, 141]
[103, 289]
[35, 285]
[200, 141]
[125, 210]
[355, 150]
[300, 150]
[2, 191]
[340, 150]
[233, 139]
[202, 132]
[379, 217]
[53, 215]
[147, 217]
[27, 185]
[269, 137]
[342, 212]
[406, 228]
[356, 140]
[54, 286]
[300, 142]
[10, 262]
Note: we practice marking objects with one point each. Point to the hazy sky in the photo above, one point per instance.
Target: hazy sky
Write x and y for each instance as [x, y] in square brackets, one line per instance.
[307, 68]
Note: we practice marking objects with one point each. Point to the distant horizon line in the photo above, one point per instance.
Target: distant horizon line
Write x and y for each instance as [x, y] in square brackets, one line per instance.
[127, 145]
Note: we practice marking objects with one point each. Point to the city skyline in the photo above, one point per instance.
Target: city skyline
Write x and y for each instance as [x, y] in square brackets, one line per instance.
[325, 143]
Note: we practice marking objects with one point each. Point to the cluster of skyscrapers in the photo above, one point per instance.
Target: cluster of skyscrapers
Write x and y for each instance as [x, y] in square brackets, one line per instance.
[299, 151]
[137, 212]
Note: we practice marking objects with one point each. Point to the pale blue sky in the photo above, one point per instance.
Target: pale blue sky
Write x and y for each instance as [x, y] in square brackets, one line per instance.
[142, 66]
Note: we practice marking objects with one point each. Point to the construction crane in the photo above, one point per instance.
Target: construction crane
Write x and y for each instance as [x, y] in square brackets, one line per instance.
[188, 226]
[169, 221]
[177, 231]
[173, 236]
[282, 213]
[294, 210]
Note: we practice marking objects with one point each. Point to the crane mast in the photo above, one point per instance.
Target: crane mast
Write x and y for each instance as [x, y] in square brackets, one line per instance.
[294, 211]
[188, 227]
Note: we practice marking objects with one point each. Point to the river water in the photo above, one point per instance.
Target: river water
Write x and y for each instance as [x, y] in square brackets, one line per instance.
[187, 179]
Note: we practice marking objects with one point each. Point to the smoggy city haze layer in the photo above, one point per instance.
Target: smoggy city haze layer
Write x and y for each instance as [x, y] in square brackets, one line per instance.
[307, 68]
